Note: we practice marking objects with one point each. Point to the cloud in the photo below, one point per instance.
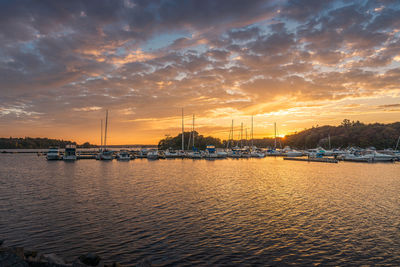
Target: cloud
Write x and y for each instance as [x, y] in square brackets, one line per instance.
[389, 106]
[63, 63]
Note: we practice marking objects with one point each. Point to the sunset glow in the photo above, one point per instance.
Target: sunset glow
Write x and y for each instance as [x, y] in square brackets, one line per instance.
[296, 63]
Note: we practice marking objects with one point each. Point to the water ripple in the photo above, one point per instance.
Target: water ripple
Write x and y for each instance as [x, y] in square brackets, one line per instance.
[183, 212]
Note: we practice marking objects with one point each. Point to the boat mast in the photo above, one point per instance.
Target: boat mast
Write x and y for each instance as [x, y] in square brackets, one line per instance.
[190, 138]
[247, 143]
[230, 138]
[193, 131]
[329, 141]
[183, 134]
[105, 131]
[101, 133]
[241, 135]
[275, 135]
[397, 144]
[232, 134]
[252, 132]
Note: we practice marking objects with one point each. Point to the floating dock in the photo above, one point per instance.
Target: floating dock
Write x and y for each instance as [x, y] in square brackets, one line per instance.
[327, 160]
[359, 160]
[86, 156]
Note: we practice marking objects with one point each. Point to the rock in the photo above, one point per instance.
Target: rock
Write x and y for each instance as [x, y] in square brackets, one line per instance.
[90, 259]
[9, 259]
[115, 264]
[30, 254]
[78, 263]
[46, 264]
[144, 263]
[53, 258]
[19, 251]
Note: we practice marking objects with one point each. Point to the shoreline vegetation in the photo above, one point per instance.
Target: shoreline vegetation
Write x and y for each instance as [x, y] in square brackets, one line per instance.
[347, 134]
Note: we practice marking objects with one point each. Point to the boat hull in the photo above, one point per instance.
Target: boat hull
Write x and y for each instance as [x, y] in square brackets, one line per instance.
[69, 158]
[53, 157]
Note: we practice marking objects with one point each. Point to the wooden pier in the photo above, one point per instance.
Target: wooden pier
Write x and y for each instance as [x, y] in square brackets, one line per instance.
[327, 160]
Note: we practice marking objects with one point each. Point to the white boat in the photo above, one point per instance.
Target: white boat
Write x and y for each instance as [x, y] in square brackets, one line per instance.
[105, 155]
[181, 153]
[394, 153]
[294, 153]
[356, 157]
[257, 154]
[170, 153]
[195, 155]
[222, 154]
[246, 154]
[143, 153]
[53, 154]
[70, 153]
[210, 152]
[123, 155]
[379, 157]
[152, 154]
[273, 152]
[235, 152]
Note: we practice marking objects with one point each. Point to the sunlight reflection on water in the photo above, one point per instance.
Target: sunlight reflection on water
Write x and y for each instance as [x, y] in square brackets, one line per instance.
[223, 212]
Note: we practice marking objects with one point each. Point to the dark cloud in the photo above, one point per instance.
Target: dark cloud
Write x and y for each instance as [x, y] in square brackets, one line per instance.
[61, 59]
[244, 34]
[390, 106]
[302, 10]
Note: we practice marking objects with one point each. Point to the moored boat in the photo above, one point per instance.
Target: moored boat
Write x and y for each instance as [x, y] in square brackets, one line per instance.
[294, 153]
[123, 155]
[195, 155]
[70, 153]
[170, 153]
[104, 153]
[152, 154]
[222, 154]
[379, 157]
[53, 154]
[210, 152]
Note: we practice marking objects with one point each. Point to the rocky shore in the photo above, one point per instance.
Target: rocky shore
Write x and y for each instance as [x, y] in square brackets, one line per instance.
[20, 257]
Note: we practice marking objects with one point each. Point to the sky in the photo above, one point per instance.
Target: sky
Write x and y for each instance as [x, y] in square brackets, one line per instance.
[299, 63]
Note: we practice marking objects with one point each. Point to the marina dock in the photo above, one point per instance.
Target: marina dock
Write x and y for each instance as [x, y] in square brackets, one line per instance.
[327, 160]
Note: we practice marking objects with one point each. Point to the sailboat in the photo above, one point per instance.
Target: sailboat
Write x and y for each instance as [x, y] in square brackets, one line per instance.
[172, 153]
[274, 152]
[254, 151]
[235, 151]
[182, 152]
[195, 154]
[105, 154]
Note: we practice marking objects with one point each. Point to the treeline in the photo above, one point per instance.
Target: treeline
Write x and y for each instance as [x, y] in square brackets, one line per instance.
[200, 141]
[37, 143]
[347, 134]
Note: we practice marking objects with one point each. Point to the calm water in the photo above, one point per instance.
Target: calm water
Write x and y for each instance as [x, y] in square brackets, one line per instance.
[184, 212]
